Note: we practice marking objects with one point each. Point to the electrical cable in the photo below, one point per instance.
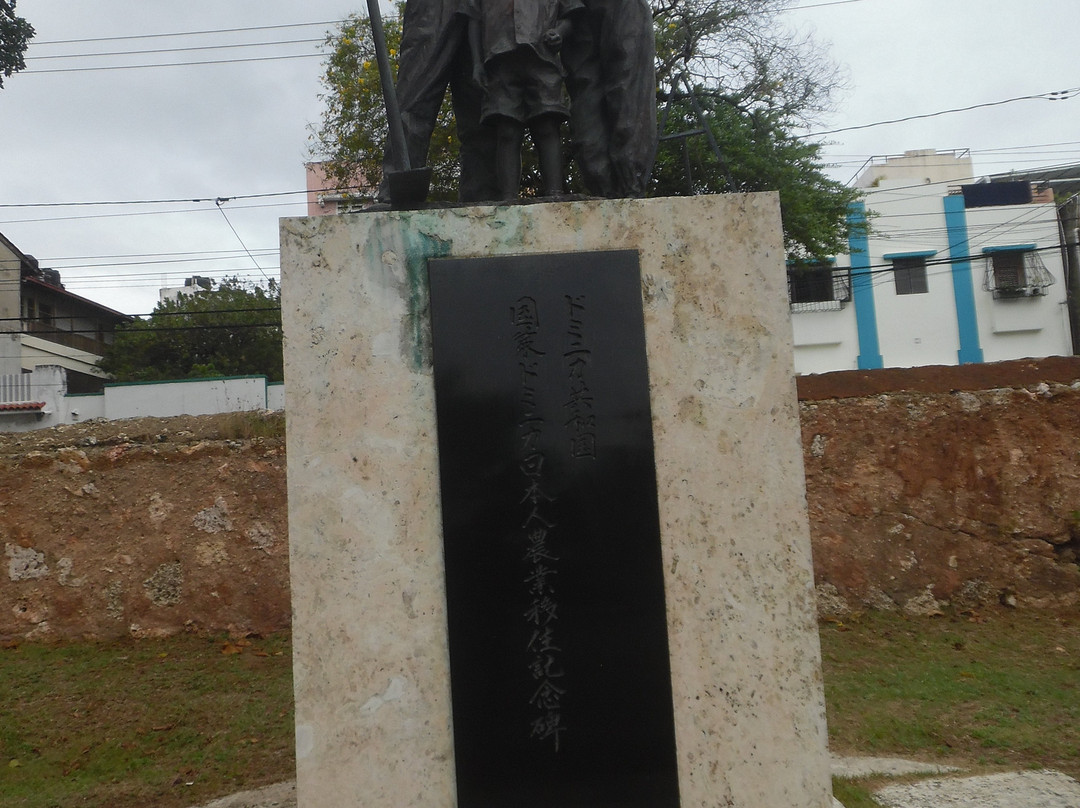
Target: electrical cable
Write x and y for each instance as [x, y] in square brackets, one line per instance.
[188, 33]
[188, 49]
[89, 68]
[220, 202]
[1053, 95]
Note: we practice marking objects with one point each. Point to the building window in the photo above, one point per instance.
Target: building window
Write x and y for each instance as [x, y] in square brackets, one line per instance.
[45, 313]
[1015, 272]
[813, 287]
[909, 276]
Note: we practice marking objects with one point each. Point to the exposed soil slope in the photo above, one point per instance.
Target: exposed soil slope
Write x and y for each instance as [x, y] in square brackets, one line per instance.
[917, 499]
[144, 526]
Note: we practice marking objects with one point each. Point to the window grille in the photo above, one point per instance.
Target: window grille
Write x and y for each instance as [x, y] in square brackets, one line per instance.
[1015, 273]
[818, 287]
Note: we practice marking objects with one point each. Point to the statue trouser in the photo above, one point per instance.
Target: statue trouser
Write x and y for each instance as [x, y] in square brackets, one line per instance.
[434, 55]
[610, 62]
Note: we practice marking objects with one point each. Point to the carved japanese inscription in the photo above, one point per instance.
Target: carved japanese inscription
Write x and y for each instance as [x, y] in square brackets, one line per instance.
[560, 678]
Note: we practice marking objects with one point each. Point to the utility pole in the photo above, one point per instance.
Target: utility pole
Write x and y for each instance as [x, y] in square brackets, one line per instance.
[1069, 214]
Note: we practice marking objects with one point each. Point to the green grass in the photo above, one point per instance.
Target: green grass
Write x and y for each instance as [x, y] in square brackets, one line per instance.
[133, 723]
[166, 723]
[248, 425]
[853, 794]
[1001, 691]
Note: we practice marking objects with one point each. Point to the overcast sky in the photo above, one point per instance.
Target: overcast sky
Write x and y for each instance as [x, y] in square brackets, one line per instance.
[237, 130]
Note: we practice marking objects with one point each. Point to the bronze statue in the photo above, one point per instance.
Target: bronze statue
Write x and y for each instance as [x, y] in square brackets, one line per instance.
[604, 52]
[515, 52]
[433, 56]
[610, 59]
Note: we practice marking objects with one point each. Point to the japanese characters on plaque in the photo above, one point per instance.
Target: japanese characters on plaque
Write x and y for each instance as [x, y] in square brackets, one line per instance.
[551, 536]
[581, 423]
[537, 527]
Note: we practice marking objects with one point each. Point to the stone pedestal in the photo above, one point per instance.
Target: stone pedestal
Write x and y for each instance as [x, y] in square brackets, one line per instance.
[370, 649]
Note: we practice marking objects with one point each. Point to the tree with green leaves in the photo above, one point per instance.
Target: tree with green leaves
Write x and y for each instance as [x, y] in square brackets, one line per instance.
[758, 152]
[231, 330]
[15, 36]
[732, 67]
[754, 81]
[745, 50]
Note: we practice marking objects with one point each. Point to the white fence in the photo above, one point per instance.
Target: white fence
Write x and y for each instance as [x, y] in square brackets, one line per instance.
[15, 388]
[48, 385]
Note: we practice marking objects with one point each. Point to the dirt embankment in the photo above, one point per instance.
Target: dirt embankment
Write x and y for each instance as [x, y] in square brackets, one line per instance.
[945, 485]
[143, 527]
[918, 497]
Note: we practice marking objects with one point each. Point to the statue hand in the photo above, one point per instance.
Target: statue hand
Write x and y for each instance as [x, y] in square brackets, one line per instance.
[479, 74]
[553, 39]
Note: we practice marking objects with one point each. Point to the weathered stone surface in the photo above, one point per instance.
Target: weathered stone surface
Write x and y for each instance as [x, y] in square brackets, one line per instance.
[371, 671]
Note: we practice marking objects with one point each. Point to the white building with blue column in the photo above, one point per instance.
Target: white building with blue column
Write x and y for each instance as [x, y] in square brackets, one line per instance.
[948, 272]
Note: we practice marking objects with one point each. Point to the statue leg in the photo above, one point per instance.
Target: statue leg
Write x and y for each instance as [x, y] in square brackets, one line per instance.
[545, 137]
[426, 60]
[510, 134]
[589, 132]
[628, 56]
[477, 157]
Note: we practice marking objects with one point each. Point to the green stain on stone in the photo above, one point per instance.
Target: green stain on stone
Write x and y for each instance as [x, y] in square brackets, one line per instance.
[419, 248]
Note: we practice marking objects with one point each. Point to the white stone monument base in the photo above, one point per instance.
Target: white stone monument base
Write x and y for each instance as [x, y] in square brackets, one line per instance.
[371, 667]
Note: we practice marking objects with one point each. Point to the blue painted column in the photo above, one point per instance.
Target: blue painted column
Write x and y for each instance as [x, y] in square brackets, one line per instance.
[963, 287]
[862, 289]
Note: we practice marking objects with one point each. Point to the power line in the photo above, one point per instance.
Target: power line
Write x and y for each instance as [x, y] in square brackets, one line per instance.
[247, 29]
[1053, 95]
[111, 258]
[89, 68]
[233, 254]
[876, 270]
[823, 5]
[198, 312]
[139, 213]
[947, 183]
[221, 207]
[186, 49]
[34, 58]
[174, 201]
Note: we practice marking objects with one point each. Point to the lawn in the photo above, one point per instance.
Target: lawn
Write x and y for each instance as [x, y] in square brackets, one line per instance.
[994, 690]
[178, 721]
[169, 723]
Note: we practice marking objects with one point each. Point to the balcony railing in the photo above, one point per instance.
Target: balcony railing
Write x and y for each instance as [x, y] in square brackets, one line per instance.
[52, 333]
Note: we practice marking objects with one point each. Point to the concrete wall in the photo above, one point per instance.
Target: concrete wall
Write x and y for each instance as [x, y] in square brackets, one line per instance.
[824, 339]
[196, 397]
[157, 399]
[275, 396]
[10, 350]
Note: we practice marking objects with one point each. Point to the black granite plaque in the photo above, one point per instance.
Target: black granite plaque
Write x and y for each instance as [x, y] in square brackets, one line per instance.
[558, 637]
